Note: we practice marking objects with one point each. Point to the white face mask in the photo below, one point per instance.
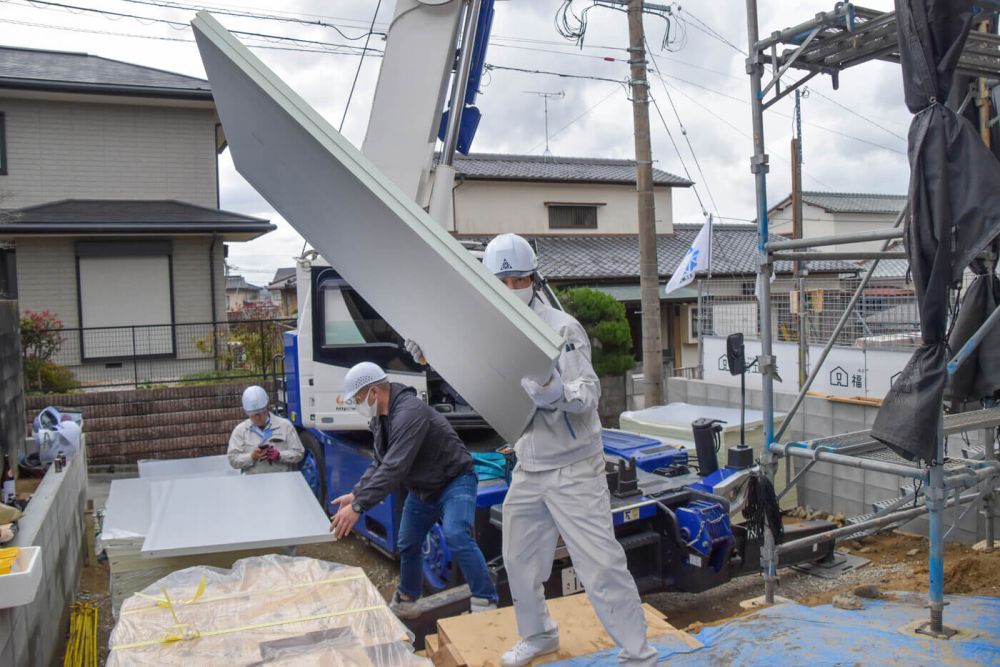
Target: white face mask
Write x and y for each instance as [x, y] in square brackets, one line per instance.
[525, 294]
[366, 409]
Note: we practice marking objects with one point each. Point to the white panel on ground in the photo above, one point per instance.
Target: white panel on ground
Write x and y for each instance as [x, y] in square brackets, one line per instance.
[201, 515]
[126, 513]
[198, 466]
[477, 335]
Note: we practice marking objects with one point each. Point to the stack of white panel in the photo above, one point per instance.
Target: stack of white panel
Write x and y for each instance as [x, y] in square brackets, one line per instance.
[202, 519]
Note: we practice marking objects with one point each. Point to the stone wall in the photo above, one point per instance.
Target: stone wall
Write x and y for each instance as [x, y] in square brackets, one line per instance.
[173, 422]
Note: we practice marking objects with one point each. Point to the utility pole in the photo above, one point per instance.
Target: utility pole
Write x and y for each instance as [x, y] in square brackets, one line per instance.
[799, 270]
[649, 278]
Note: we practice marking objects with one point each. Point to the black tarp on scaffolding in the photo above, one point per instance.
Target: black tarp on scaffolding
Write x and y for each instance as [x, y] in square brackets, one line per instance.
[954, 197]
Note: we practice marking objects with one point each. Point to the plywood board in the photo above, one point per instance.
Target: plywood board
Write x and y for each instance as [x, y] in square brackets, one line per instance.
[214, 514]
[213, 466]
[480, 639]
[477, 335]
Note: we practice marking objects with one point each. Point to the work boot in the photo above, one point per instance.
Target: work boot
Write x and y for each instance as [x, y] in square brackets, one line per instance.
[527, 650]
[477, 605]
[403, 608]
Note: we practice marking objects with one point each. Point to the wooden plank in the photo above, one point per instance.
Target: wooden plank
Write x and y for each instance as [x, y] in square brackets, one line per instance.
[432, 645]
[481, 338]
[480, 639]
[447, 656]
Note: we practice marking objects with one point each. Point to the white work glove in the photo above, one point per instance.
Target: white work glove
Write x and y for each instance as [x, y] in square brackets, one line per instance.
[415, 351]
[546, 394]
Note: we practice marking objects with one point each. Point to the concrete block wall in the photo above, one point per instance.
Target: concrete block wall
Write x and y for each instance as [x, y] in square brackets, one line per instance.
[32, 634]
[828, 488]
[11, 381]
[174, 422]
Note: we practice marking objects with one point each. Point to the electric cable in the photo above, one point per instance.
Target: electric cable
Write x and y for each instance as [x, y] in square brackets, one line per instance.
[361, 61]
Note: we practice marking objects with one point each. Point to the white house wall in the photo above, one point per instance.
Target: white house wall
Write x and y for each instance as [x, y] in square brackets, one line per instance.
[820, 222]
[73, 150]
[46, 277]
[496, 207]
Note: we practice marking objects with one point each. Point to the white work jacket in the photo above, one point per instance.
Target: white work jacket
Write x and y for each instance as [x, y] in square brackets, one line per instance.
[283, 438]
[569, 430]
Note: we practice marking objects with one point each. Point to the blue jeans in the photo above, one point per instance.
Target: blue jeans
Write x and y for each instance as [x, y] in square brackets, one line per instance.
[456, 508]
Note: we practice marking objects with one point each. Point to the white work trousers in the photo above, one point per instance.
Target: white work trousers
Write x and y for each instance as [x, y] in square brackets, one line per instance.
[574, 502]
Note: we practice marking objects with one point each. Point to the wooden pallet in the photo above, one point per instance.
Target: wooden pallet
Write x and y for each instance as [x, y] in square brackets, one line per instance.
[478, 640]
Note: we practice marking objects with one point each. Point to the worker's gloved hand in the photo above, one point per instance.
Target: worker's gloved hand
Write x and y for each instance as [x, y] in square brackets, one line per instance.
[273, 454]
[546, 394]
[415, 351]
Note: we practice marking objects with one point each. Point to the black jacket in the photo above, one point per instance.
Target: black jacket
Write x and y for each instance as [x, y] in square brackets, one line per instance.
[415, 447]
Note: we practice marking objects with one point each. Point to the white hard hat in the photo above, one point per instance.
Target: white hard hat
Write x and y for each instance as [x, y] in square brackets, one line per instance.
[510, 255]
[360, 376]
[254, 399]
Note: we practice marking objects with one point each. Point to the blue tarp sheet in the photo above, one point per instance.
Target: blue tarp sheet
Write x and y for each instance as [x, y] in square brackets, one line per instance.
[792, 634]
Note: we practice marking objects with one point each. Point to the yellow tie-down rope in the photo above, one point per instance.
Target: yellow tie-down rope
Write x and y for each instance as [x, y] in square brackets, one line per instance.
[163, 602]
[81, 649]
[185, 632]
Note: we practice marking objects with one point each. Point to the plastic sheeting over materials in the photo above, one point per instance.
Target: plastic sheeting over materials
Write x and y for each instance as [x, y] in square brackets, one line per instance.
[954, 214]
[879, 634]
[269, 610]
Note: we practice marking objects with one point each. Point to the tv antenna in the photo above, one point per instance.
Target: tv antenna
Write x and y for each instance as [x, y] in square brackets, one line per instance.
[545, 97]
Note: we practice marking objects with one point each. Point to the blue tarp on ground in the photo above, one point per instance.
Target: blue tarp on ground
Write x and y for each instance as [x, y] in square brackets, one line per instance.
[792, 634]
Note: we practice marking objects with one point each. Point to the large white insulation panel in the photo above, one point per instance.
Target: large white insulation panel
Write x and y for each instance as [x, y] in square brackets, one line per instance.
[478, 336]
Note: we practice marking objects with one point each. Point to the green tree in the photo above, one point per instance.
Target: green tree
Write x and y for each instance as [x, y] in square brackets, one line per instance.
[603, 317]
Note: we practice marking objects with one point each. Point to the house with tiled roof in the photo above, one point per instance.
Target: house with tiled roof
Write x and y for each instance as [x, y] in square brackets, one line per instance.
[829, 213]
[534, 194]
[111, 221]
[610, 263]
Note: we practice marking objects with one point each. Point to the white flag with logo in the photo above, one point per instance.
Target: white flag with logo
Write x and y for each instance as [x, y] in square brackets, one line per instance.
[697, 258]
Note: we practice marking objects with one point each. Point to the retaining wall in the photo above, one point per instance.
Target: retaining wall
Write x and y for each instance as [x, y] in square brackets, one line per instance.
[829, 488]
[173, 422]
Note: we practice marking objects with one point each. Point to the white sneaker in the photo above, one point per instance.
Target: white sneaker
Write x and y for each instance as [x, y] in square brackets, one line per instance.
[527, 650]
[477, 605]
[403, 608]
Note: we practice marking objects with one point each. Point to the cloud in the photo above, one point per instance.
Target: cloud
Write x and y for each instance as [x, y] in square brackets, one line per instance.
[706, 83]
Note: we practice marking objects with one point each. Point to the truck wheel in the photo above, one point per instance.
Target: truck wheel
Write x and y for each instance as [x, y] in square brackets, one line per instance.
[440, 569]
[314, 468]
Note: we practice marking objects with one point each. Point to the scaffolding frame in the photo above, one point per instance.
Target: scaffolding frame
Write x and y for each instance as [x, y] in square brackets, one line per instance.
[827, 44]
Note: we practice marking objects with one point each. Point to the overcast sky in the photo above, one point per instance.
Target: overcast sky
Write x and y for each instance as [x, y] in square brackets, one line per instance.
[863, 151]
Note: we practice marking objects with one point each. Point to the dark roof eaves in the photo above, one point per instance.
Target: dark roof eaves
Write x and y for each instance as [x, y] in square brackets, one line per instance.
[8, 83]
[208, 227]
[680, 183]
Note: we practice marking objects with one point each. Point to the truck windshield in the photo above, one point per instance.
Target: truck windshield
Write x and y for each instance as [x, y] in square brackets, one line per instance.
[349, 320]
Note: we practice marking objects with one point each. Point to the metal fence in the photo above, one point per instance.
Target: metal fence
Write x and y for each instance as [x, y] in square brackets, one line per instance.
[809, 309]
[143, 356]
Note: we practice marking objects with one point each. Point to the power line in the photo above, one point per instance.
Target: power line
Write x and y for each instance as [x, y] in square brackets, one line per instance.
[564, 75]
[361, 61]
[684, 131]
[251, 15]
[177, 25]
[711, 32]
[112, 33]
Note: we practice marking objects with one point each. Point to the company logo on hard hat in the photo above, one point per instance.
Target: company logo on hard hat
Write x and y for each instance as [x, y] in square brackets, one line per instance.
[505, 266]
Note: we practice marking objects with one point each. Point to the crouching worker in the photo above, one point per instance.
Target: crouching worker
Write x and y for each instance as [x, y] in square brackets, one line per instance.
[417, 449]
[264, 442]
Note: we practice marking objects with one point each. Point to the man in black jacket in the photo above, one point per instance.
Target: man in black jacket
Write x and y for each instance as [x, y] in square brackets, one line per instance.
[415, 448]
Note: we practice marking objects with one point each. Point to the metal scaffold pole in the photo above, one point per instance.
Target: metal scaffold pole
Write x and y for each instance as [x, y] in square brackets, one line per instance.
[758, 166]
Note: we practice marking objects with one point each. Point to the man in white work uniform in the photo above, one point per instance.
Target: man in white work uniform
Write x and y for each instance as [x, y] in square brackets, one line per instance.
[559, 487]
[263, 442]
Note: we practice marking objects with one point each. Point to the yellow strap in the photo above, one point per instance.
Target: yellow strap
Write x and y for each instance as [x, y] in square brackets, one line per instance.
[163, 602]
[183, 635]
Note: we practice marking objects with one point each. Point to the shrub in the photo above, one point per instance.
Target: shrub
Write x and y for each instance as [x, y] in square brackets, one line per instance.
[48, 377]
[603, 317]
[41, 338]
